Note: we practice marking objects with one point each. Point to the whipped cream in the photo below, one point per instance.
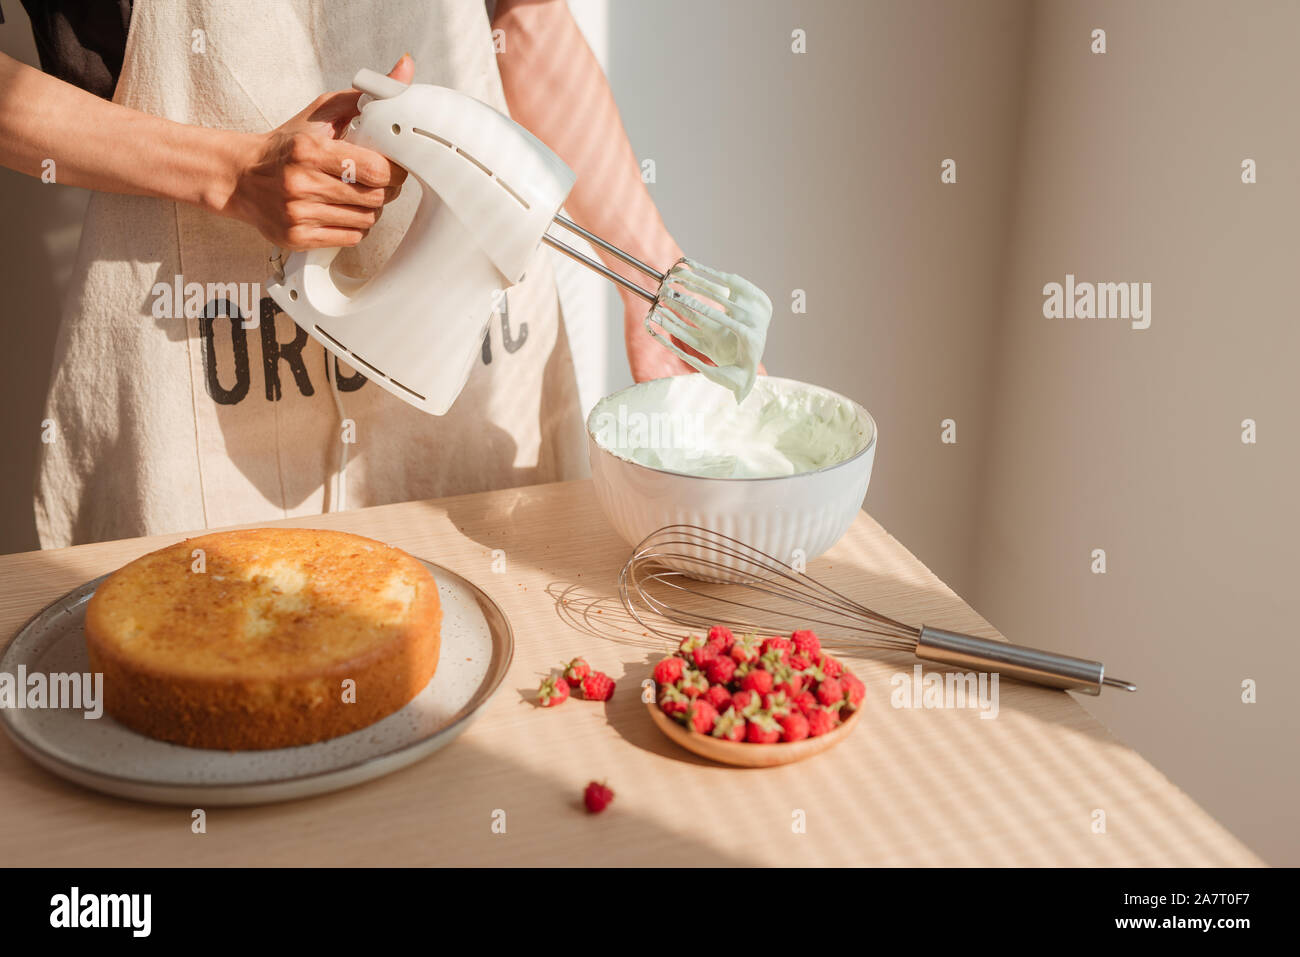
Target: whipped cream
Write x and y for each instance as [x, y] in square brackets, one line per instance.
[688, 424]
[731, 333]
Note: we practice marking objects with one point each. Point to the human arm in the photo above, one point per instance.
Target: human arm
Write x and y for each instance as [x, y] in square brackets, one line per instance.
[285, 183]
[556, 89]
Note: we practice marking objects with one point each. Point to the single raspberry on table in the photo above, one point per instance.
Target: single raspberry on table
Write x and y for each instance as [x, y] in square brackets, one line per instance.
[597, 797]
[720, 670]
[598, 686]
[669, 670]
[576, 670]
[552, 691]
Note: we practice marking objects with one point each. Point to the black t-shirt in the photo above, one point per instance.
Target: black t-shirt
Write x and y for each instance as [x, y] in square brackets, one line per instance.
[81, 41]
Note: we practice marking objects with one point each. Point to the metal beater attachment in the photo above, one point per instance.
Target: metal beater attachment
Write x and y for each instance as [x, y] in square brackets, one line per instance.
[721, 316]
[697, 578]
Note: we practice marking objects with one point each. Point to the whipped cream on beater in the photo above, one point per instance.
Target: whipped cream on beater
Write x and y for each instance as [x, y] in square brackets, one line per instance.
[686, 424]
[730, 333]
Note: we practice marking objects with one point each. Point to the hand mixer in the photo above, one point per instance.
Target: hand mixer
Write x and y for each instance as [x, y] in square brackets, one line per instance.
[764, 594]
[490, 191]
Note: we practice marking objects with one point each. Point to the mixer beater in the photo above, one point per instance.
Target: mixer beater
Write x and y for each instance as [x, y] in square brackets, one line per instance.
[696, 578]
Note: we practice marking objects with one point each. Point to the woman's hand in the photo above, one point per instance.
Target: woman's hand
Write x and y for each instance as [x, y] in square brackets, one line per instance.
[647, 356]
[302, 186]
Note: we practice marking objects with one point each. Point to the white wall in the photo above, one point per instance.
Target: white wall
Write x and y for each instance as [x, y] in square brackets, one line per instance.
[1106, 437]
[820, 171]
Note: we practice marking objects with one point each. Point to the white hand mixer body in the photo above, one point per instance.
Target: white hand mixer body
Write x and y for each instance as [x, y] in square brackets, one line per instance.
[489, 191]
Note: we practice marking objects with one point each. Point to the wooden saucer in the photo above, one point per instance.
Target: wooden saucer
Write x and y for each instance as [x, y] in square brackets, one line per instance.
[741, 754]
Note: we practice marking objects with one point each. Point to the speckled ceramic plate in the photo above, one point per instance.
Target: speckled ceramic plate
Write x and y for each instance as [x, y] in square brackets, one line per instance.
[477, 646]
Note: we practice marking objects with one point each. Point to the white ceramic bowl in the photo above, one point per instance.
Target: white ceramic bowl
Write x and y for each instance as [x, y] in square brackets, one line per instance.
[787, 516]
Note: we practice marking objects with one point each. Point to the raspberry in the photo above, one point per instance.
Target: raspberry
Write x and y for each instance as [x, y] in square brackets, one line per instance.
[807, 643]
[699, 650]
[776, 661]
[791, 686]
[745, 650]
[704, 655]
[598, 686]
[721, 638]
[718, 696]
[821, 721]
[693, 684]
[597, 797]
[552, 691]
[746, 702]
[800, 662]
[730, 726]
[701, 716]
[829, 665]
[794, 726]
[854, 689]
[781, 644]
[689, 644]
[758, 681]
[669, 670]
[576, 670]
[720, 670]
[804, 702]
[673, 703]
[830, 692]
[761, 728]
[777, 703]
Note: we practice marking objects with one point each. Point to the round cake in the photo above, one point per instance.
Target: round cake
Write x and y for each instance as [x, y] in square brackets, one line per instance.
[266, 638]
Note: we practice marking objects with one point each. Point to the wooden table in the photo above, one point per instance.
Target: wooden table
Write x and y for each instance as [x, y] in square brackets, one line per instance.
[909, 787]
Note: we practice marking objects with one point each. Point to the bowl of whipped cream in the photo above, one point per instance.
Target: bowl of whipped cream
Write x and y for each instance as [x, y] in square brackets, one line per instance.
[784, 470]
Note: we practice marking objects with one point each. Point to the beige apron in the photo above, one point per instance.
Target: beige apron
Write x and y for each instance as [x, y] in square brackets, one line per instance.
[164, 422]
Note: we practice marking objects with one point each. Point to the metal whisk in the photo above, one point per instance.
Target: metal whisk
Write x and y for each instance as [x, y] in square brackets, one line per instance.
[751, 591]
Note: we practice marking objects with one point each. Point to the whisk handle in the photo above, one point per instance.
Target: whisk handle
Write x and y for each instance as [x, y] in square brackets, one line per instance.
[1015, 661]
